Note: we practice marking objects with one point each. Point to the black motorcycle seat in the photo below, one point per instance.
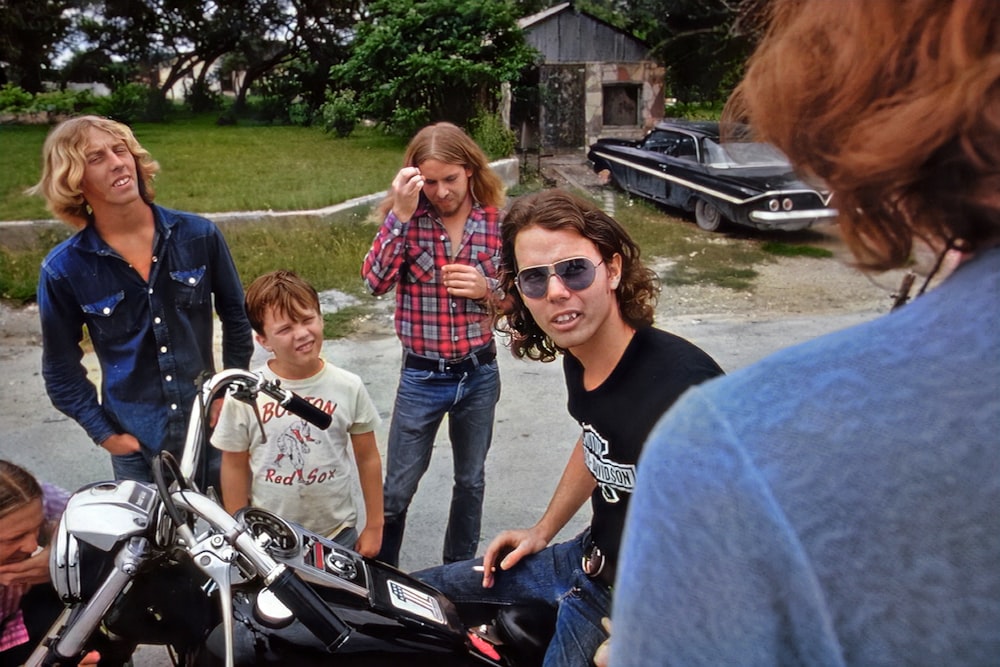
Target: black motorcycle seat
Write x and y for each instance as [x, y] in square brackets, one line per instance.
[527, 630]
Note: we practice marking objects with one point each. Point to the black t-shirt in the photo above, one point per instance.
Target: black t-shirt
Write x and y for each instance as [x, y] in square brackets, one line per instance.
[617, 416]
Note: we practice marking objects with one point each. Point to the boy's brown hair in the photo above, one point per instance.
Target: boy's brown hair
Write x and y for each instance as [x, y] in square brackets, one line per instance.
[282, 290]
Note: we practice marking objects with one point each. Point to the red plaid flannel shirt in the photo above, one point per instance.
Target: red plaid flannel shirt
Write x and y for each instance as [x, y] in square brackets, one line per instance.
[409, 256]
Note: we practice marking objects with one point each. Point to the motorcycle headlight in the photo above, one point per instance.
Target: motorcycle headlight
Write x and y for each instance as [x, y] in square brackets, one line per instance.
[97, 519]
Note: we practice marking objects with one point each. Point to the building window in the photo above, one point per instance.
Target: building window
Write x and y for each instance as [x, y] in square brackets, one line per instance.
[621, 104]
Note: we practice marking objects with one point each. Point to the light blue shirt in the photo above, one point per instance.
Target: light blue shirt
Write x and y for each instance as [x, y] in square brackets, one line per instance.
[835, 504]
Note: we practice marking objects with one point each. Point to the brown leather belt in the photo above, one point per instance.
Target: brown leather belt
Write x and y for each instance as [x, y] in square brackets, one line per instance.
[465, 364]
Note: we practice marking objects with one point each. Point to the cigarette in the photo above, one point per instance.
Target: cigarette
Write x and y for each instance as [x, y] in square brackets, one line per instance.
[480, 568]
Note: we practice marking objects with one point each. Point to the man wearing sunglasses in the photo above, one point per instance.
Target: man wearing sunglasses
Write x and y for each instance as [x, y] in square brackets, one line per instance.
[579, 289]
[439, 248]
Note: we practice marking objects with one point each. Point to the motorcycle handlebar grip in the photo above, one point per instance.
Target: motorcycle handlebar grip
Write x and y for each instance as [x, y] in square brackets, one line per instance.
[303, 408]
[307, 606]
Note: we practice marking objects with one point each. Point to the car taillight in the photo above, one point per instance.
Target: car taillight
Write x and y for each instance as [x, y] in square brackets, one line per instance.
[773, 204]
[786, 204]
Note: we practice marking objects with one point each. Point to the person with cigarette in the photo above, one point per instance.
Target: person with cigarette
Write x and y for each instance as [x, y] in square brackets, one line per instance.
[580, 291]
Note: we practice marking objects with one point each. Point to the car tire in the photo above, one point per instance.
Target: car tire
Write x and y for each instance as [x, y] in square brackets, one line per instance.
[707, 216]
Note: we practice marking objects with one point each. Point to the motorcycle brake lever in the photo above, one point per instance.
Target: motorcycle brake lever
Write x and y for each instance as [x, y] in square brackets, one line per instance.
[216, 557]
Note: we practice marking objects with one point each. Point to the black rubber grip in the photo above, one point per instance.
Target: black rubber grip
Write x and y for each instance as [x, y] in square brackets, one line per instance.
[310, 610]
[301, 407]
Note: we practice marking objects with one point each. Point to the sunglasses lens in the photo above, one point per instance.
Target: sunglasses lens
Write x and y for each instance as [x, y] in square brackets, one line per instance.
[576, 274]
[534, 281]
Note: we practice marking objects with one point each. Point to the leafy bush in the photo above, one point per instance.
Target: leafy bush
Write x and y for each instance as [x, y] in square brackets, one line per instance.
[202, 98]
[55, 102]
[696, 110]
[300, 113]
[340, 113]
[14, 99]
[407, 121]
[128, 103]
[495, 138]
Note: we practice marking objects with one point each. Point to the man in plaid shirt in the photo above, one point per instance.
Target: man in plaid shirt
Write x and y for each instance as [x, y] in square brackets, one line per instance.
[439, 247]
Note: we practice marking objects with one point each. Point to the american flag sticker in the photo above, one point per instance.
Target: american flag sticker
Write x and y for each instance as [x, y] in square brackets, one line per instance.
[415, 602]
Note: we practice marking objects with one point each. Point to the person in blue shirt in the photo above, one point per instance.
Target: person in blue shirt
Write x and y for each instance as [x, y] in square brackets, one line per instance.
[143, 281]
[837, 503]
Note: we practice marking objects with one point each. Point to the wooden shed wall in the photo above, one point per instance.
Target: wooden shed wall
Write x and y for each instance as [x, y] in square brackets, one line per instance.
[573, 37]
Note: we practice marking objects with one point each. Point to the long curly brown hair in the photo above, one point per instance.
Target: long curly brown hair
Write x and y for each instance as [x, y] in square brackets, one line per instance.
[449, 144]
[896, 107]
[554, 209]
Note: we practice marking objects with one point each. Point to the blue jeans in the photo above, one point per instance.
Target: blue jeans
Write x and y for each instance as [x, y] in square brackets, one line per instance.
[423, 398]
[552, 576]
[137, 467]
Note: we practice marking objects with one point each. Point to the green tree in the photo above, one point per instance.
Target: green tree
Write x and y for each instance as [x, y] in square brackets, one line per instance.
[703, 44]
[29, 33]
[415, 61]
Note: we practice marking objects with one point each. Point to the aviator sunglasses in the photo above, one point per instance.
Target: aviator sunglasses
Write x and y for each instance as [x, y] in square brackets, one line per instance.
[576, 273]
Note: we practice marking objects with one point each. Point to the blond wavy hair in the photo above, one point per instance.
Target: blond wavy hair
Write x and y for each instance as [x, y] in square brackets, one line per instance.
[64, 159]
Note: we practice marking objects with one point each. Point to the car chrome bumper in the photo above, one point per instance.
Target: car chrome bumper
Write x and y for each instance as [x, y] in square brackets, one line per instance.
[813, 215]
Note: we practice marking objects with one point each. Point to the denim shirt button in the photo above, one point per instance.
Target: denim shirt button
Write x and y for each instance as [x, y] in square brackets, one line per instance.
[156, 320]
[163, 349]
[106, 311]
[173, 406]
[169, 378]
[192, 281]
[150, 290]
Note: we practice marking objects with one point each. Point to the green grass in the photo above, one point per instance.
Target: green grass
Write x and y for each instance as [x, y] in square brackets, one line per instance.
[701, 257]
[325, 252]
[206, 168]
[791, 250]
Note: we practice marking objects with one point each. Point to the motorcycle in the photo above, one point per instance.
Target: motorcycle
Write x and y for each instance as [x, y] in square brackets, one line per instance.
[165, 564]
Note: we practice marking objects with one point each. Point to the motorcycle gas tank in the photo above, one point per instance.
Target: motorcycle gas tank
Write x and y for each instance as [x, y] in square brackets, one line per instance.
[375, 640]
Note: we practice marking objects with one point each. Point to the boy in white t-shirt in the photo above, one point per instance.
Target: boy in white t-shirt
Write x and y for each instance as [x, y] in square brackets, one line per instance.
[299, 471]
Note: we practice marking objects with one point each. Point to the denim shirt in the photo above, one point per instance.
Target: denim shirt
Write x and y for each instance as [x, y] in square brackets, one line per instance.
[152, 339]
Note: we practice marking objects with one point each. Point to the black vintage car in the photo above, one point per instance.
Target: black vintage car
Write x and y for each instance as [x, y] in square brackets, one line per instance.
[682, 164]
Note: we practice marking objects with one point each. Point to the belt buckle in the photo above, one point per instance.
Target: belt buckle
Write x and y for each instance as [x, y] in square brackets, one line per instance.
[593, 561]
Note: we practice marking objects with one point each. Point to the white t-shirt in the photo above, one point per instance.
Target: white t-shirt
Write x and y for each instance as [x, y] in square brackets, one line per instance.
[301, 472]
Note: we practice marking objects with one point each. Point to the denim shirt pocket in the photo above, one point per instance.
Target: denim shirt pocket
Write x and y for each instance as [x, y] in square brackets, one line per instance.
[189, 287]
[107, 319]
